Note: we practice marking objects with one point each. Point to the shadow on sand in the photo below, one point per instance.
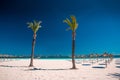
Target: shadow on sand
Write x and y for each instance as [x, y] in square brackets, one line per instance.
[117, 63]
[102, 64]
[34, 69]
[114, 75]
[98, 67]
[11, 66]
[86, 64]
[117, 66]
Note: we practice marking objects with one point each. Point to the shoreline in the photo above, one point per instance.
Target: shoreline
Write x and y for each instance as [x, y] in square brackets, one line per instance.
[54, 58]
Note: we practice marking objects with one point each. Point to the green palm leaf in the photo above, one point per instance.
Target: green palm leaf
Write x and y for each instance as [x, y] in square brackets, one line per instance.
[34, 25]
[72, 23]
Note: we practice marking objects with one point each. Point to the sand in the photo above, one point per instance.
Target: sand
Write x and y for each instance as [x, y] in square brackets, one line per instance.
[58, 70]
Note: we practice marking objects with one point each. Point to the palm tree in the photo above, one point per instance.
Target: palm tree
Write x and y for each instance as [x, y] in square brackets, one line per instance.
[35, 27]
[91, 56]
[73, 26]
[83, 57]
[111, 57]
[105, 55]
[97, 55]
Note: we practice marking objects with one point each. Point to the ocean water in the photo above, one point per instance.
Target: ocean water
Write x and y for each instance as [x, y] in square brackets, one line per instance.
[54, 58]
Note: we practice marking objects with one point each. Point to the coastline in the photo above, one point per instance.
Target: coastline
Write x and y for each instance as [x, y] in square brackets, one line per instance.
[54, 58]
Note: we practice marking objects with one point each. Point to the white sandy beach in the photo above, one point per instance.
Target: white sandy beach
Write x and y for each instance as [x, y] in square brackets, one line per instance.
[57, 70]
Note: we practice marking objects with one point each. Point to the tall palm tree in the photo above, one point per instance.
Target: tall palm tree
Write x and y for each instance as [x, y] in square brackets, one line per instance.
[35, 27]
[73, 26]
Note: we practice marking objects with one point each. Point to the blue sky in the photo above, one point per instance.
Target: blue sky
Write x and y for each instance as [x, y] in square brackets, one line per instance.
[98, 30]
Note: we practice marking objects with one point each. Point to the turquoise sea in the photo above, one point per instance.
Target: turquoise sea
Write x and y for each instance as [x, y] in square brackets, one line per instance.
[53, 58]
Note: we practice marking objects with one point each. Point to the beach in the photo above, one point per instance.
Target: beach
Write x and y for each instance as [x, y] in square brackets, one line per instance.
[58, 70]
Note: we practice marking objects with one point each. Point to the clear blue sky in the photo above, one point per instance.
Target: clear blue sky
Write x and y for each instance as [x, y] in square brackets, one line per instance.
[98, 30]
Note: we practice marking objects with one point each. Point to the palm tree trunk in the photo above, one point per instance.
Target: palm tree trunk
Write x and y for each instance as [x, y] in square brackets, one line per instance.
[73, 50]
[33, 46]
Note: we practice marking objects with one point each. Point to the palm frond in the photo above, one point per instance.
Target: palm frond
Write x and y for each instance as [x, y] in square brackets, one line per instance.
[34, 25]
[69, 23]
[72, 23]
[30, 24]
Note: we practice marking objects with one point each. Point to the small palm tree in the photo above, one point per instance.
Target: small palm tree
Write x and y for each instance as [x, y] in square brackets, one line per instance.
[83, 58]
[91, 56]
[73, 26]
[105, 55]
[35, 27]
[111, 57]
[97, 55]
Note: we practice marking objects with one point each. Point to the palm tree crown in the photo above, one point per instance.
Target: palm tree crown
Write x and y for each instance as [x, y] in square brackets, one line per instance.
[34, 25]
[72, 23]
